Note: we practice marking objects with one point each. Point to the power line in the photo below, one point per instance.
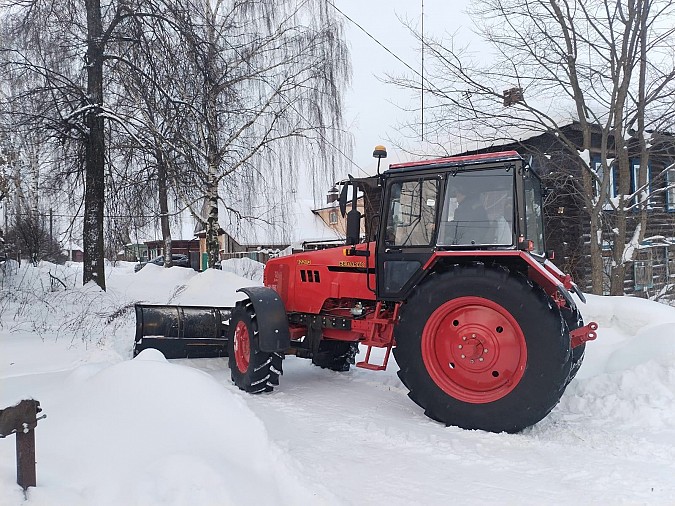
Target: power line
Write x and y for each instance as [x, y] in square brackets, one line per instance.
[110, 216]
[373, 38]
[423, 79]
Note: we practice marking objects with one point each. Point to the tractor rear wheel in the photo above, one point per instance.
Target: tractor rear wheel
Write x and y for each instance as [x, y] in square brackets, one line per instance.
[336, 355]
[482, 348]
[252, 370]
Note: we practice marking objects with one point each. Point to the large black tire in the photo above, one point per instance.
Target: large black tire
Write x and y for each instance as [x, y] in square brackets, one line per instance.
[336, 355]
[574, 320]
[481, 348]
[252, 370]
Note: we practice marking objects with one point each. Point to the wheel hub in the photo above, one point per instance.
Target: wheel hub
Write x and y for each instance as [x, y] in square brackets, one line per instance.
[242, 347]
[474, 349]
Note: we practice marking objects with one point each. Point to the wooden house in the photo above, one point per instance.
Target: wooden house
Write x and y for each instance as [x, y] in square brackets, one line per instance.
[652, 273]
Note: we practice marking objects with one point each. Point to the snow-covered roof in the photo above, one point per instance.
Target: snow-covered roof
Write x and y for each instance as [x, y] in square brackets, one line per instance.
[72, 246]
[296, 224]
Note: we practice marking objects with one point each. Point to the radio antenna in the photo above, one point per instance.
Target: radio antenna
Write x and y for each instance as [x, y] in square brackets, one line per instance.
[422, 76]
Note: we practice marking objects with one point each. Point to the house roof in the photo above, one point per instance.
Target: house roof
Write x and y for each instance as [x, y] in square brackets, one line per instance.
[297, 223]
[72, 246]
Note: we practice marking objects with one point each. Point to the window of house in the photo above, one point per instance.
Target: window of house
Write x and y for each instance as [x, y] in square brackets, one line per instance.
[606, 274]
[635, 183]
[643, 275]
[333, 217]
[670, 189]
[612, 187]
[670, 255]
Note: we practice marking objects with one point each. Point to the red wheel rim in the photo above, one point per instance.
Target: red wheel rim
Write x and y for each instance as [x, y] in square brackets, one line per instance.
[242, 346]
[474, 350]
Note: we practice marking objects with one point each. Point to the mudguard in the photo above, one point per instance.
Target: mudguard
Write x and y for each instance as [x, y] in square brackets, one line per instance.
[273, 333]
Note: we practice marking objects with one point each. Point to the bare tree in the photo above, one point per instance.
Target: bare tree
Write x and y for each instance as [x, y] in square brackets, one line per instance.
[180, 99]
[147, 105]
[60, 48]
[29, 234]
[606, 64]
[268, 77]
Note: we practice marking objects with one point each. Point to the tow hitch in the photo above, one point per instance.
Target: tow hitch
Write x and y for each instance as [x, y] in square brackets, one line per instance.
[583, 334]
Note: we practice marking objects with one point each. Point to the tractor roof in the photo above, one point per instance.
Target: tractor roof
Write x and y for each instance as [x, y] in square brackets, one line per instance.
[458, 161]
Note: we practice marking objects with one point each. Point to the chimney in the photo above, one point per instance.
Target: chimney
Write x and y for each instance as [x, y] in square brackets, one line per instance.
[513, 96]
[332, 196]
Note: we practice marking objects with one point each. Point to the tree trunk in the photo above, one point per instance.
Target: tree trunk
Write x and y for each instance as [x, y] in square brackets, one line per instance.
[212, 226]
[164, 207]
[597, 268]
[212, 149]
[618, 269]
[94, 192]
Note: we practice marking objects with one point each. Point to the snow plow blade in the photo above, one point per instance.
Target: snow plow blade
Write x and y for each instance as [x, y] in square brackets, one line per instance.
[182, 331]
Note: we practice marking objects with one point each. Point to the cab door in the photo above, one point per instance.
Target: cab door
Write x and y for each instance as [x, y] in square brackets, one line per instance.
[407, 233]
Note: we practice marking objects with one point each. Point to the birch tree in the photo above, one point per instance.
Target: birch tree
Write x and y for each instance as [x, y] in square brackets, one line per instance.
[269, 77]
[607, 64]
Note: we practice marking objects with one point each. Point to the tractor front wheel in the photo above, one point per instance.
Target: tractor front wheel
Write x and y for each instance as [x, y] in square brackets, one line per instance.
[482, 348]
[252, 370]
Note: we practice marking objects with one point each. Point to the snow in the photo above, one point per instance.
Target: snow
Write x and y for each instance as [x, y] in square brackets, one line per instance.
[149, 431]
[633, 244]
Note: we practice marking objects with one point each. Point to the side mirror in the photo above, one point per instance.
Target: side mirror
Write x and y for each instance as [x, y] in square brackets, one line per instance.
[342, 200]
[353, 226]
[353, 231]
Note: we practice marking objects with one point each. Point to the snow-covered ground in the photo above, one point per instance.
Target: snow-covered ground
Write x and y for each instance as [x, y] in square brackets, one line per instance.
[149, 431]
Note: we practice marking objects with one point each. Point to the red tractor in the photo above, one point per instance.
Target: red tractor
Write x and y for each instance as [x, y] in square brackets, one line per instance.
[453, 277]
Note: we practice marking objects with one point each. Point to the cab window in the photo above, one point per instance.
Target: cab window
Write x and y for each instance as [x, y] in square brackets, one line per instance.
[411, 217]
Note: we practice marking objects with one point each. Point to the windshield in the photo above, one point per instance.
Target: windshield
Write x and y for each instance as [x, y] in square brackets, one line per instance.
[478, 209]
[534, 224]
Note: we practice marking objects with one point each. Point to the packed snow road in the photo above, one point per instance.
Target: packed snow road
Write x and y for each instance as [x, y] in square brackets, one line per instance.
[359, 435]
[150, 431]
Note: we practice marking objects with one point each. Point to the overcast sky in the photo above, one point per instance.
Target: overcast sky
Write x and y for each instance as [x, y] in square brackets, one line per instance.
[373, 107]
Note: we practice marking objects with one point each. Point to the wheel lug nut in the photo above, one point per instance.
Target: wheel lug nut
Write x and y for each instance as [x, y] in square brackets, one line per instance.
[473, 335]
[472, 361]
[485, 350]
[464, 338]
[480, 359]
[460, 346]
[463, 356]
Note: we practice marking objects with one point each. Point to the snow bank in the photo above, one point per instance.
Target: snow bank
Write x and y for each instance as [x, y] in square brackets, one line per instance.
[246, 268]
[632, 399]
[631, 332]
[149, 432]
[212, 287]
[625, 314]
[627, 380]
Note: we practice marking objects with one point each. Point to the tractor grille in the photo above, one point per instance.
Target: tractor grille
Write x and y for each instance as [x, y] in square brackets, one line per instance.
[308, 276]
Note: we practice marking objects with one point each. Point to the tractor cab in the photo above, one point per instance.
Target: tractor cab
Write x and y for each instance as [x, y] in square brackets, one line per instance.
[461, 206]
